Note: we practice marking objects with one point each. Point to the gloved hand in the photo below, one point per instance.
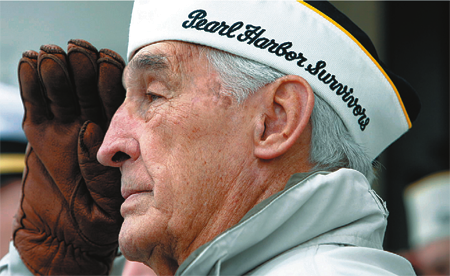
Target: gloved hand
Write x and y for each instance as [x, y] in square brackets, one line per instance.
[69, 216]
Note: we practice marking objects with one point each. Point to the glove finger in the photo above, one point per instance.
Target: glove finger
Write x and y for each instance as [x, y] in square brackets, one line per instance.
[110, 86]
[82, 57]
[33, 98]
[52, 68]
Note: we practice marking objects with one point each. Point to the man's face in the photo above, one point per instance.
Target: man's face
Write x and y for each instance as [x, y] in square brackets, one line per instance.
[181, 147]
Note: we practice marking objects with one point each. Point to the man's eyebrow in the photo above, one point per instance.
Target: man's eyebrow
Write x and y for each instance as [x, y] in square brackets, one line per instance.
[147, 61]
[156, 62]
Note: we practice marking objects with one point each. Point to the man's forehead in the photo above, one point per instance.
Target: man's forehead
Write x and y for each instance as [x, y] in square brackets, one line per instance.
[166, 58]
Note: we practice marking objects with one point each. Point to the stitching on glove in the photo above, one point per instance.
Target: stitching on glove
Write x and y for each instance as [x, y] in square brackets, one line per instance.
[82, 144]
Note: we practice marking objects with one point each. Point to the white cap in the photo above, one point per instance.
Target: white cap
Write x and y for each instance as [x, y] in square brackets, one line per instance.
[313, 40]
[427, 203]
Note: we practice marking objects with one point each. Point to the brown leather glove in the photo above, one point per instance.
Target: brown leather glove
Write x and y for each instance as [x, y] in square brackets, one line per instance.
[69, 216]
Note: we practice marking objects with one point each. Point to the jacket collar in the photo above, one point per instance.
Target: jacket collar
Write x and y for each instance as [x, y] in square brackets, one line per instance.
[314, 208]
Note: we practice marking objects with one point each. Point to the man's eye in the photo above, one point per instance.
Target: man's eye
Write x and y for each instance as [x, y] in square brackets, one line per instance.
[152, 97]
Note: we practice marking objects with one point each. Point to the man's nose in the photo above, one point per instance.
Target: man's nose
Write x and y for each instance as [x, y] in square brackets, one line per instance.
[119, 145]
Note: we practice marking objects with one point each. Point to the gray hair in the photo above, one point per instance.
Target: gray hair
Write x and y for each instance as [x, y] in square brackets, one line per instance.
[332, 147]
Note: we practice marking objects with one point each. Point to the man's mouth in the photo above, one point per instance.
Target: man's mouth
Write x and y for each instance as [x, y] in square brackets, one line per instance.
[127, 193]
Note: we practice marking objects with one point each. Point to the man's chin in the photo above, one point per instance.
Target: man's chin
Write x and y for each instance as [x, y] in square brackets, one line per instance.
[135, 240]
[129, 242]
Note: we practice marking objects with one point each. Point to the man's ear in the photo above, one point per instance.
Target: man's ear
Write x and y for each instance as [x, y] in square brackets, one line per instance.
[287, 106]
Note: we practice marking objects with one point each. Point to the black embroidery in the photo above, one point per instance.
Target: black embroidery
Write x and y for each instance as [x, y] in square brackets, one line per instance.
[340, 90]
[253, 35]
[198, 22]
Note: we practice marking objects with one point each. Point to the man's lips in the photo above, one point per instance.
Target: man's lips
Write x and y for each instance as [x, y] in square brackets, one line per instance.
[128, 193]
[131, 185]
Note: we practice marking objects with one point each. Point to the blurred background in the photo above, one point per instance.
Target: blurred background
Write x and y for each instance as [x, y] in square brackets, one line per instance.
[412, 38]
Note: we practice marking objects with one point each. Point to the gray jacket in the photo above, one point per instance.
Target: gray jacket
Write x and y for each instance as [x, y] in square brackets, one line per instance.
[320, 224]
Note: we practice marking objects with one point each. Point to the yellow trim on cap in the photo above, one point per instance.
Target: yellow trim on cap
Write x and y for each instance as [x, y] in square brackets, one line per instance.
[367, 53]
[12, 163]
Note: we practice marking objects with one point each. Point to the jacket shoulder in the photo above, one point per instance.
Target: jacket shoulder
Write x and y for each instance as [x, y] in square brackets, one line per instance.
[335, 259]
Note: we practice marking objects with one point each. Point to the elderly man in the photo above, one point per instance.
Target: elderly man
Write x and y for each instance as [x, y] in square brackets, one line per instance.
[245, 145]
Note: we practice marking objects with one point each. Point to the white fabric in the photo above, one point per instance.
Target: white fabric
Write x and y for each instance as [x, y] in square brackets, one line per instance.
[332, 259]
[301, 32]
[11, 264]
[326, 224]
[427, 205]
